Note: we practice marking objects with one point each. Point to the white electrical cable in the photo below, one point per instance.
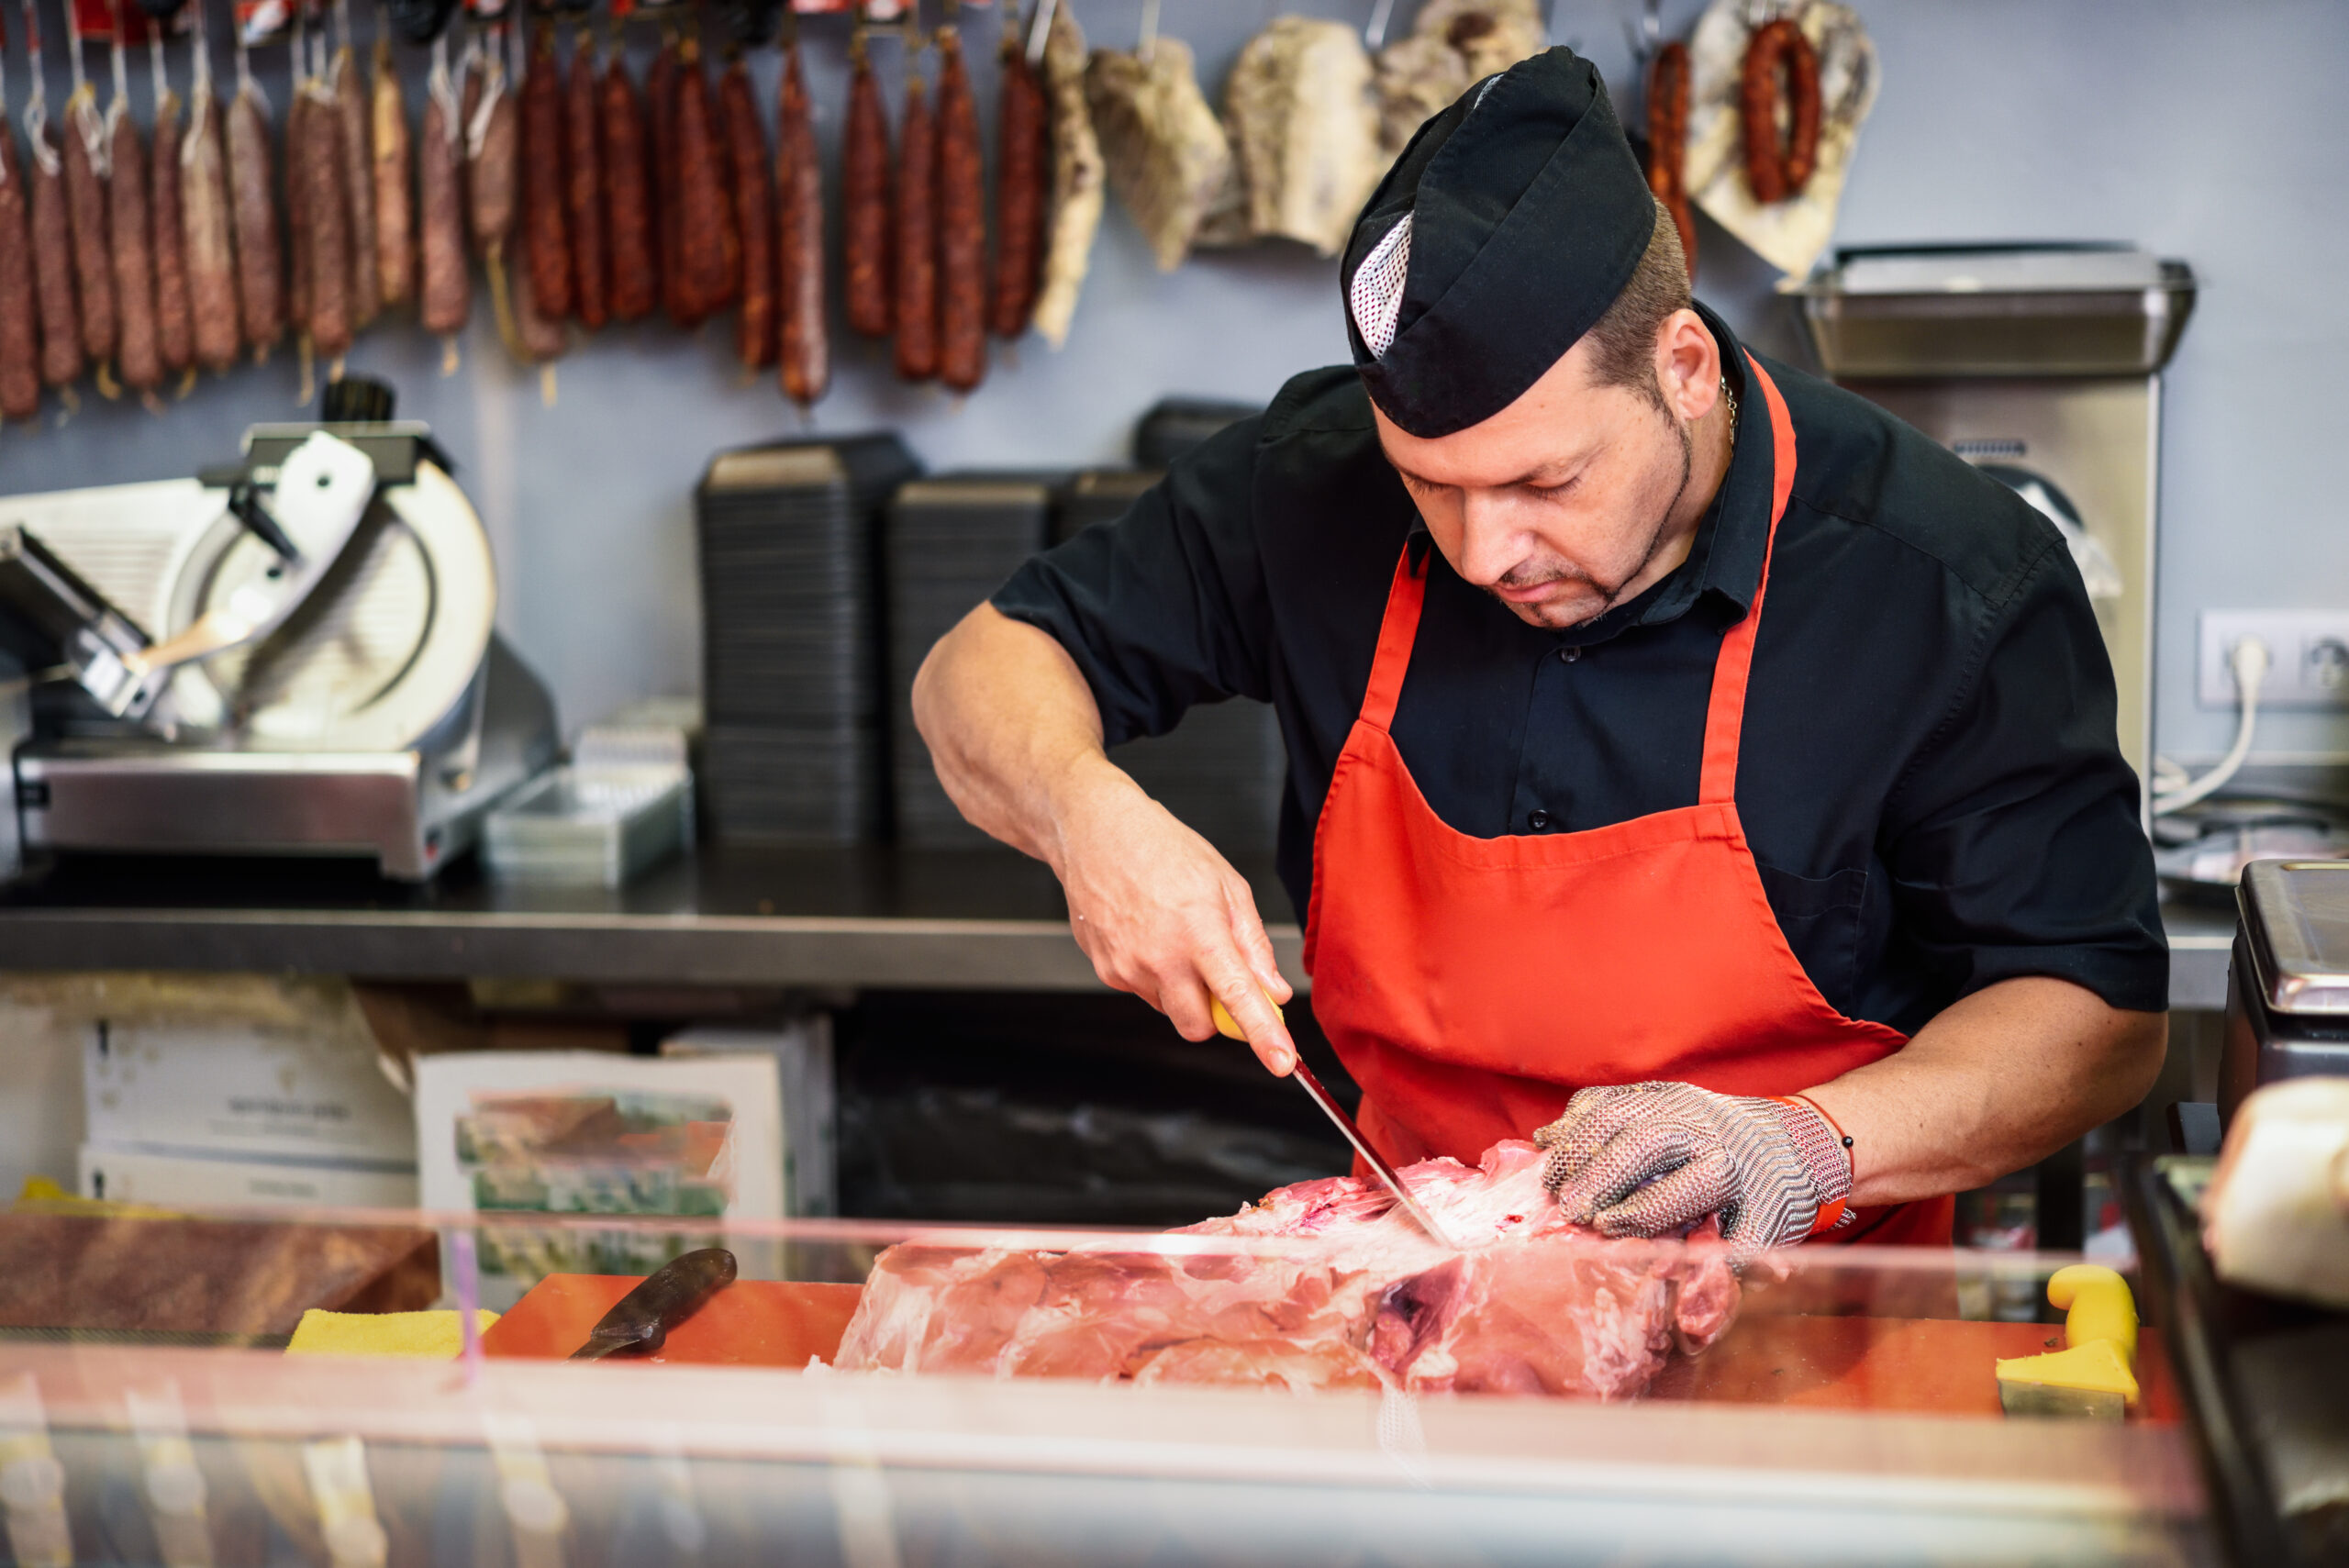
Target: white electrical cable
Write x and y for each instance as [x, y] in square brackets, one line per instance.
[2250, 660]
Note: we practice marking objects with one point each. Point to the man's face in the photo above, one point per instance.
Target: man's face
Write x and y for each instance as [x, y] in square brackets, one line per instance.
[1558, 504]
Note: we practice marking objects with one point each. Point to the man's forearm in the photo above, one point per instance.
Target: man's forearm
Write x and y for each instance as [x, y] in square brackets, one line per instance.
[2002, 1079]
[1011, 725]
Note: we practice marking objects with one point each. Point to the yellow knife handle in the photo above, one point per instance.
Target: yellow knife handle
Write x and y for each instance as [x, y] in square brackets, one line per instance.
[2097, 1306]
[1227, 1026]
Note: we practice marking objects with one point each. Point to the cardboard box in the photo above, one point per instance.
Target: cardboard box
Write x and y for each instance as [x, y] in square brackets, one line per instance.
[142, 1175]
[696, 1142]
[802, 1050]
[242, 1090]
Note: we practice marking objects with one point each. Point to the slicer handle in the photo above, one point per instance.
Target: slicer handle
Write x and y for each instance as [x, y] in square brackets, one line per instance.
[244, 503]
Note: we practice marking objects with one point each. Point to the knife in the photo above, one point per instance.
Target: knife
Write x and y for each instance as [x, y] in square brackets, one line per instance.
[1227, 1025]
[638, 1324]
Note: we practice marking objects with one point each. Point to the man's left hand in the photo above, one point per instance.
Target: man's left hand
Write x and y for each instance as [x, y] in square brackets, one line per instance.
[1649, 1159]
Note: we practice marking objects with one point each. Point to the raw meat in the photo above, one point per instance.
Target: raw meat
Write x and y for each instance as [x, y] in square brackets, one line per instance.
[1325, 1286]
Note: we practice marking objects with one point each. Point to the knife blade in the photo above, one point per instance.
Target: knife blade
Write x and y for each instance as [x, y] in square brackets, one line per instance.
[1229, 1026]
[1370, 1156]
[638, 1323]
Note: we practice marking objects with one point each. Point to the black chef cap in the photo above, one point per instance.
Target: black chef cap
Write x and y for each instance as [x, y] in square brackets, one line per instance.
[1526, 214]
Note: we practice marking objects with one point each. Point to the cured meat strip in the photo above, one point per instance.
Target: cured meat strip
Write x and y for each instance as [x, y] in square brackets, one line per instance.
[446, 298]
[1358, 1297]
[174, 330]
[85, 208]
[299, 235]
[492, 129]
[864, 199]
[546, 224]
[746, 145]
[61, 326]
[131, 241]
[961, 224]
[914, 237]
[632, 215]
[20, 303]
[799, 180]
[252, 193]
[709, 250]
[1023, 165]
[534, 335]
[354, 113]
[583, 128]
[1668, 78]
[1078, 179]
[392, 181]
[205, 222]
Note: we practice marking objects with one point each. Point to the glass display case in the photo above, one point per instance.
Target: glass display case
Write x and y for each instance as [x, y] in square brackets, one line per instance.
[249, 1389]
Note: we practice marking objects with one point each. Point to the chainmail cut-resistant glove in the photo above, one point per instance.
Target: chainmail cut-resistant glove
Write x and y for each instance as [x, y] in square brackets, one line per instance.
[1651, 1159]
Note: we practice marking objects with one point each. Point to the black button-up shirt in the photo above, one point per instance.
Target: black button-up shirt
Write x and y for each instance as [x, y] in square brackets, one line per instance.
[1929, 777]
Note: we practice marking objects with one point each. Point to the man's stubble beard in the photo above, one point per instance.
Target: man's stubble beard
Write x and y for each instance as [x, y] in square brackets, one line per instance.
[1654, 545]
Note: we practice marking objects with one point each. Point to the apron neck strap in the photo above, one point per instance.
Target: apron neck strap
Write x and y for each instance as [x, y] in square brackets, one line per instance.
[1725, 716]
[1397, 632]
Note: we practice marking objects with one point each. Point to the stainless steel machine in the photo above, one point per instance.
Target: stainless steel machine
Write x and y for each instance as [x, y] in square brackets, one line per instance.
[292, 655]
[2042, 365]
[2288, 988]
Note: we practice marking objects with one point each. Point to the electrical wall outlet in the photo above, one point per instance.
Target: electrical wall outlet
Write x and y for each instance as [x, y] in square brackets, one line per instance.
[2308, 653]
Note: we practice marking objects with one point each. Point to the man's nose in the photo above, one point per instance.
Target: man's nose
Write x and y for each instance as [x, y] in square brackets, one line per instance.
[1491, 544]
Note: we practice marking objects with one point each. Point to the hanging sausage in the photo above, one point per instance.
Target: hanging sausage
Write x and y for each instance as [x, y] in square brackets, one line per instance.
[962, 222]
[20, 307]
[546, 223]
[166, 228]
[755, 342]
[129, 241]
[1668, 77]
[583, 128]
[709, 253]
[1780, 79]
[632, 215]
[392, 178]
[446, 291]
[799, 185]
[355, 180]
[205, 219]
[86, 156]
[864, 197]
[252, 194]
[913, 236]
[1023, 171]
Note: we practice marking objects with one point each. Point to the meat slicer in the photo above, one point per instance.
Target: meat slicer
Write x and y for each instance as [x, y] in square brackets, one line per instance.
[291, 655]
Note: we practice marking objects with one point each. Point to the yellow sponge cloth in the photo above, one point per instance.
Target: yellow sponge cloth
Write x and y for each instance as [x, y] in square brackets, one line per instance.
[426, 1336]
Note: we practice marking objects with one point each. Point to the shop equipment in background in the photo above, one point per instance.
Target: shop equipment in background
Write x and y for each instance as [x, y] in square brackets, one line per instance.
[623, 804]
[953, 539]
[2288, 987]
[355, 701]
[2042, 364]
[794, 728]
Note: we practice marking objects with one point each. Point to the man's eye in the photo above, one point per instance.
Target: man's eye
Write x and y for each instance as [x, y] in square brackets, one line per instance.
[1551, 492]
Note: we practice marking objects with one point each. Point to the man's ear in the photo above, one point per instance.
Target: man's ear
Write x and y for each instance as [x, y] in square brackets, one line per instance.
[1687, 366]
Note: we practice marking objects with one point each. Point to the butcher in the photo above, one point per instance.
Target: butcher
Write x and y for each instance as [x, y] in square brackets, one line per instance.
[1690, 765]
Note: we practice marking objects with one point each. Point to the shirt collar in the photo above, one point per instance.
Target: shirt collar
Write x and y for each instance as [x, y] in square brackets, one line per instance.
[1725, 558]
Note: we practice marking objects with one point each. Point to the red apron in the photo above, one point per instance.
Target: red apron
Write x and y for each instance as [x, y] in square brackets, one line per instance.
[1472, 985]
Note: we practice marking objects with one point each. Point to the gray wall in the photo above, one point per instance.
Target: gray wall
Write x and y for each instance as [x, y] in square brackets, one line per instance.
[2209, 133]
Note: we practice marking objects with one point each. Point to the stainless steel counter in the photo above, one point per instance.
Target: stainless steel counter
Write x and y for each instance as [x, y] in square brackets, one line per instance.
[730, 915]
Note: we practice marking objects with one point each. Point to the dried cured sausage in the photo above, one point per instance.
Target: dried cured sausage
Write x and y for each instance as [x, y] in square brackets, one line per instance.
[709, 255]
[913, 239]
[631, 219]
[864, 200]
[318, 163]
[20, 307]
[85, 208]
[546, 224]
[1023, 165]
[61, 326]
[205, 226]
[746, 146]
[583, 175]
[356, 184]
[1779, 166]
[661, 88]
[174, 333]
[961, 224]
[393, 183]
[799, 241]
[1668, 77]
[138, 359]
[445, 292]
[252, 196]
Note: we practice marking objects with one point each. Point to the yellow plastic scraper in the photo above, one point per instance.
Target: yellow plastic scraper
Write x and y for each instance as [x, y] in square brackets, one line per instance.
[2093, 1377]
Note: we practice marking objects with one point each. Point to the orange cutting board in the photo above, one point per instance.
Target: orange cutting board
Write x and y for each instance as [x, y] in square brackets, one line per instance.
[1933, 1365]
[750, 1323]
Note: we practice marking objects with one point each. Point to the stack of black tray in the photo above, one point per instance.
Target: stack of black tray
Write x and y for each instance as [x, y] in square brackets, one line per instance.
[795, 734]
[953, 539]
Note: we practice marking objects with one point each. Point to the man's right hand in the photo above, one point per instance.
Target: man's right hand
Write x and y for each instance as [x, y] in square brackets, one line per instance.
[1017, 739]
[1161, 913]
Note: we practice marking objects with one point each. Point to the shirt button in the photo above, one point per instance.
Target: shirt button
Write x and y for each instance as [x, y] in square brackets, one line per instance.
[1538, 821]
[1568, 655]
